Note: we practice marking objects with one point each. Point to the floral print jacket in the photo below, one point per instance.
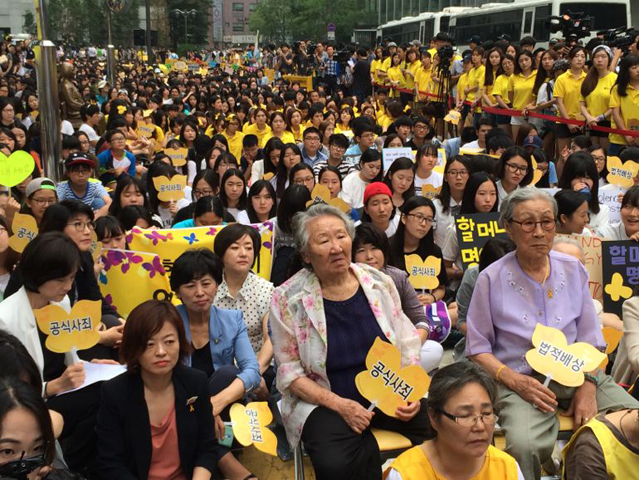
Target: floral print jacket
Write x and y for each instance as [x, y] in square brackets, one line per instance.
[299, 336]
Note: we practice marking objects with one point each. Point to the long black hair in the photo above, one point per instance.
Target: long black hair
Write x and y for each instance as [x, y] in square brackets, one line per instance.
[445, 195]
[256, 189]
[472, 185]
[581, 164]
[397, 242]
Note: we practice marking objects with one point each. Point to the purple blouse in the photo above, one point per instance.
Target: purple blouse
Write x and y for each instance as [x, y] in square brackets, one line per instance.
[507, 305]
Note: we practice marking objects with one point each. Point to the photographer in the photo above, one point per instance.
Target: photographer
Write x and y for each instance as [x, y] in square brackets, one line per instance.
[319, 57]
[301, 58]
[285, 60]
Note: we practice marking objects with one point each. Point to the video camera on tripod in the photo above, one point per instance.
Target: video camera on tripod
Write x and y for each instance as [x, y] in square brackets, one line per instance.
[621, 37]
[572, 24]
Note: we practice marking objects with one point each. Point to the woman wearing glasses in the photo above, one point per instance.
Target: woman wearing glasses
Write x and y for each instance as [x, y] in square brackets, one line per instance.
[461, 411]
[528, 286]
[514, 171]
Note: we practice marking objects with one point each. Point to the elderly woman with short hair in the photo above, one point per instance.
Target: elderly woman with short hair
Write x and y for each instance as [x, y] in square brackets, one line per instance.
[324, 320]
[531, 285]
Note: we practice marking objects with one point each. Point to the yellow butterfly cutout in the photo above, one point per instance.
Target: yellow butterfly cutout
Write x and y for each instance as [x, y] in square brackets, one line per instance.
[146, 130]
[537, 174]
[170, 189]
[321, 194]
[566, 364]
[616, 289]
[67, 330]
[24, 229]
[250, 426]
[96, 247]
[385, 383]
[122, 109]
[268, 176]
[428, 191]
[177, 155]
[622, 174]
[453, 117]
[423, 273]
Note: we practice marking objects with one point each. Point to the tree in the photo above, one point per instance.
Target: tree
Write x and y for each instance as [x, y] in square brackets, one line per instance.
[198, 24]
[28, 23]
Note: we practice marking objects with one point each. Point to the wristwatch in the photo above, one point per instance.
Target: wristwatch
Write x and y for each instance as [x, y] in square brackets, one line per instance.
[591, 379]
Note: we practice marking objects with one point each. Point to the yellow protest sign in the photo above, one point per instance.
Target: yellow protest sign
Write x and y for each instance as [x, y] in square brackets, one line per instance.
[453, 117]
[385, 383]
[24, 229]
[430, 192]
[321, 194]
[616, 288]
[423, 273]
[304, 81]
[146, 130]
[537, 174]
[622, 174]
[177, 155]
[170, 188]
[96, 247]
[250, 426]
[15, 168]
[77, 329]
[563, 363]
[179, 66]
[170, 244]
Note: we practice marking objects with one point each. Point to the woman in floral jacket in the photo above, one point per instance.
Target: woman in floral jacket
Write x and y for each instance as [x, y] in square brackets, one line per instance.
[324, 320]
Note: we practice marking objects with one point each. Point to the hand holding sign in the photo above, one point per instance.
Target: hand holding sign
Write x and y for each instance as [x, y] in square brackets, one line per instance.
[386, 384]
[563, 363]
[170, 189]
[250, 426]
[423, 273]
[15, 168]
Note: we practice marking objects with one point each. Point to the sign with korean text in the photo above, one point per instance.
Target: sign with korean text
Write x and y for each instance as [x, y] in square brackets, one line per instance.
[620, 273]
[563, 363]
[250, 426]
[15, 168]
[24, 229]
[473, 231]
[389, 155]
[146, 130]
[170, 188]
[178, 156]
[77, 329]
[423, 273]
[385, 383]
[622, 174]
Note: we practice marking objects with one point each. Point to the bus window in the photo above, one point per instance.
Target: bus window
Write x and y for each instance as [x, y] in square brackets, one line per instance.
[604, 15]
[443, 24]
[542, 28]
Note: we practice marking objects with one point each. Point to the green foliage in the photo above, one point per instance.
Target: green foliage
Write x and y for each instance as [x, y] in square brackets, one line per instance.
[28, 22]
[183, 48]
[83, 22]
[286, 20]
[198, 24]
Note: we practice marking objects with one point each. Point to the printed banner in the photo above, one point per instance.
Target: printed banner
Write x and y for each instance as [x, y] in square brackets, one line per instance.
[620, 273]
[389, 155]
[473, 231]
[612, 195]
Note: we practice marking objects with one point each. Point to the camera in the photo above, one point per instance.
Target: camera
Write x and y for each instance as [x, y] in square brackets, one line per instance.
[19, 469]
[446, 54]
[575, 25]
[621, 37]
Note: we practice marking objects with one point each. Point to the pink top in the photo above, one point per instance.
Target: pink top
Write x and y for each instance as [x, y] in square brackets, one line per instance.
[165, 459]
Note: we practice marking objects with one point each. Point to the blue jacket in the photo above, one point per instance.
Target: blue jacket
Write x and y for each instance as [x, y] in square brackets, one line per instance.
[106, 161]
[229, 343]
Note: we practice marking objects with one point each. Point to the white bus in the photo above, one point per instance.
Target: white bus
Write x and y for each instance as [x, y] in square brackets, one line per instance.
[518, 19]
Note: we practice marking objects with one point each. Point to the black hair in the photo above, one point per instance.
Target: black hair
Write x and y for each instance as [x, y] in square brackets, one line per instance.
[250, 140]
[582, 141]
[401, 163]
[256, 189]
[231, 234]
[282, 174]
[273, 144]
[468, 134]
[131, 214]
[108, 226]
[58, 215]
[233, 172]
[513, 152]
[125, 181]
[329, 168]
[157, 169]
[629, 153]
[371, 155]
[338, 139]
[368, 233]
[631, 197]
[17, 362]
[48, 256]
[623, 80]
[581, 164]
[397, 242]
[208, 176]
[493, 250]
[470, 191]
[195, 264]
[312, 130]
[293, 200]
[568, 201]
[208, 205]
[496, 142]
[296, 168]
[445, 195]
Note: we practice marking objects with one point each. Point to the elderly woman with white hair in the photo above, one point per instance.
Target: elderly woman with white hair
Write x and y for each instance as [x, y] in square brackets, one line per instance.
[531, 285]
[324, 320]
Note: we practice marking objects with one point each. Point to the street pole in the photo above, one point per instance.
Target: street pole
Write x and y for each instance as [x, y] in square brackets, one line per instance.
[149, 53]
[110, 52]
[186, 27]
[48, 95]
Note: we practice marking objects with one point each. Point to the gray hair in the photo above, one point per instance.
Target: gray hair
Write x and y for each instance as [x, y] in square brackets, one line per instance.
[302, 219]
[521, 195]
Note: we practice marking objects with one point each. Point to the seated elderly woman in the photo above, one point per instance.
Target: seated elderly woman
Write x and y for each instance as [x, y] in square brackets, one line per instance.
[528, 286]
[324, 321]
[461, 409]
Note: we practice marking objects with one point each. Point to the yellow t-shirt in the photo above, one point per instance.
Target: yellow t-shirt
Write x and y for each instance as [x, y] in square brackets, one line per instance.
[299, 135]
[598, 101]
[413, 464]
[500, 87]
[376, 65]
[286, 137]
[424, 80]
[235, 144]
[568, 88]
[522, 89]
[475, 79]
[395, 74]
[412, 68]
[629, 110]
[462, 83]
[251, 129]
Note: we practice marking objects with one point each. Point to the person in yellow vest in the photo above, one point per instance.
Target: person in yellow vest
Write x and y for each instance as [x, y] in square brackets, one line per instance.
[376, 65]
[395, 75]
[520, 87]
[423, 78]
[259, 127]
[607, 447]
[461, 410]
[412, 65]
[233, 136]
[382, 72]
[566, 91]
[475, 81]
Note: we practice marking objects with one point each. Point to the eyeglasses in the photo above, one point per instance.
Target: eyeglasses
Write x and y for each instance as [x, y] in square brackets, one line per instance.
[44, 201]
[513, 168]
[80, 226]
[599, 159]
[202, 193]
[421, 219]
[530, 225]
[312, 139]
[458, 173]
[470, 421]
[303, 181]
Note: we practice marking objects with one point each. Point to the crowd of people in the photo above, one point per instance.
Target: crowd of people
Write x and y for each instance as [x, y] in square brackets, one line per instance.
[258, 145]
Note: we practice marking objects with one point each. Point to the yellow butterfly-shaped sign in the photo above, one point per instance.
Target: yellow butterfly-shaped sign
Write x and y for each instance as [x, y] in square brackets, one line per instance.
[537, 174]
[385, 383]
[122, 109]
[177, 155]
[622, 174]
[146, 130]
[170, 189]
[616, 288]
[15, 168]
[250, 426]
[565, 364]
[96, 247]
[321, 194]
[268, 176]
[423, 273]
[24, 229]
[67, 330]
[453, 117]
[428, 191]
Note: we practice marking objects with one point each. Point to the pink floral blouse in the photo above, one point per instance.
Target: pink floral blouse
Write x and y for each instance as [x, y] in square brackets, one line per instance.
[298, 327]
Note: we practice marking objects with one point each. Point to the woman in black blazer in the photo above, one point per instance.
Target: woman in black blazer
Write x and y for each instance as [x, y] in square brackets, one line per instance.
[155, 421]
